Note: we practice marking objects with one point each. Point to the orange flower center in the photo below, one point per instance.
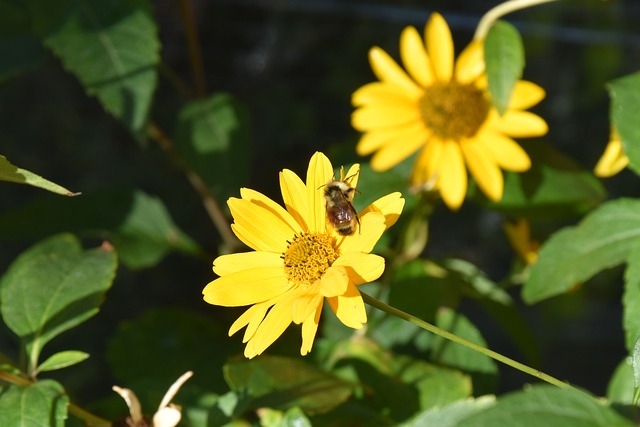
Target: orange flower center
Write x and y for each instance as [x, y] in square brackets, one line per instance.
[308, 257]
[452, 110]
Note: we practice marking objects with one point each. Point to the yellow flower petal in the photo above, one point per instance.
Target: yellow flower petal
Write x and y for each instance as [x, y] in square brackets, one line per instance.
[246, 287]
[262, 200]
[519, 124]
[251, 318]
[425, 169]
[613, 160]
[381, 93]
[414, 57]
[377, 138]
[470, 64]
[382, 115]
[294, 195]
[309, 329]
[264, 229]
[334, 281]
[233, 263]
[452, 175]
[403, 145]
[353, 174]
[304, 305]
[387, 70]
[361, 267]
[390, 206]
[349, 308]
[371, 228]
[525, 95]
[273, 325]
[484, 169]
[506, 152]
[318, 174]
[439, 47]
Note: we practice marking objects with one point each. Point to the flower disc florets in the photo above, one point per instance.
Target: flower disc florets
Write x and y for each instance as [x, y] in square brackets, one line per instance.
[308, 257]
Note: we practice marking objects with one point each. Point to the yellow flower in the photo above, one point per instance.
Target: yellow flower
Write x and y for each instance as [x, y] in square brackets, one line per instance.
[519, 236]
[444, 110]
[613, 159]
[298, 259]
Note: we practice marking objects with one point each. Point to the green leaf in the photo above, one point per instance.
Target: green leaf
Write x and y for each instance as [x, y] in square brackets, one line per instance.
[41, 404]
[603, 239]
[112, 47]
[281, 383]
[625, 104]
[620, 388]
[546, 406]
[396, 385]
[436, 386]
[139, 225]
[555, 186]
[148, 233]
[62, 360]
[293, 417]
[482, 368]
[11, 173]
[450, 415]
[212, 135]
[52, 287]
[504, 59]
[20, 49]
[473, 282]
[631, 299]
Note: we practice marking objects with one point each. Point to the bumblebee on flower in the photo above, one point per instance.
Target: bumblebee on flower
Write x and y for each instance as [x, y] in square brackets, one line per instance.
[298, 259]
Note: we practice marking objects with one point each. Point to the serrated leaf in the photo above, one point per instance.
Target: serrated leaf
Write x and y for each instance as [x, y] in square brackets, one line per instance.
[625, 104]
[603, 239]
[12, 173]
[555, 186]
[281, 383]
[112, 47]
[52, 287]
[62, 360]
[41, 404]
[631, 299]
[504, 61]
[212, 135]
[547, 406]
[148, 233]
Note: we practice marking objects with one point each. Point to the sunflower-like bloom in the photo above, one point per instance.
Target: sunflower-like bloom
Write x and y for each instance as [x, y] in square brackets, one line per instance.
[444, 110]
[613, 159]
[298, 259]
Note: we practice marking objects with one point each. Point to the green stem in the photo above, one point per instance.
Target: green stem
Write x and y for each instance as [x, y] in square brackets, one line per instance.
[499, 11]
[210, 203]
[456, 339]
[193, 43]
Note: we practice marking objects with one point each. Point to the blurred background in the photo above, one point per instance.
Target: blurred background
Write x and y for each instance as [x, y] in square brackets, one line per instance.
[292, 65]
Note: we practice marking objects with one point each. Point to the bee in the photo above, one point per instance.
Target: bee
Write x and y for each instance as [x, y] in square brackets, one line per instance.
[338, 195]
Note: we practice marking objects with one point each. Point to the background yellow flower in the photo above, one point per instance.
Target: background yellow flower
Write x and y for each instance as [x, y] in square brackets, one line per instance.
[298, 259]
[613, 159]
[444, 110]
